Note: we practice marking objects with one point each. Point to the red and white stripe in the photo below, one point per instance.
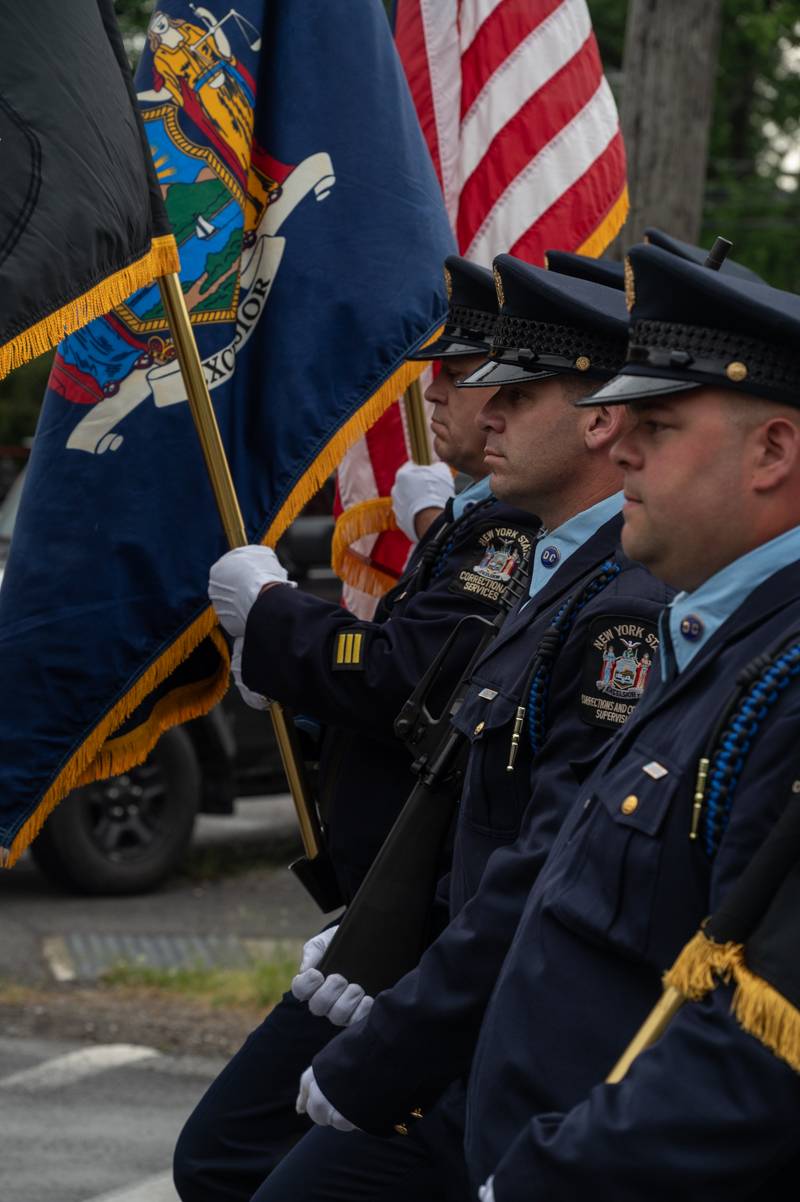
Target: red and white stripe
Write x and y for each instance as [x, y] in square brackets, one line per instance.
[524, 135]
[520, 122]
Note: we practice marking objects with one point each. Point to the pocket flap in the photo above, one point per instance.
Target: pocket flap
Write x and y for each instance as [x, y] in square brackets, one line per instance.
[483, 710]
[640, 794]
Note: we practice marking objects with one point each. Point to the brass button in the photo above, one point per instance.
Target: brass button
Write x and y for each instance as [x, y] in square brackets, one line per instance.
[479, 728]
[583, 363]
[736, 371]
[629, 804]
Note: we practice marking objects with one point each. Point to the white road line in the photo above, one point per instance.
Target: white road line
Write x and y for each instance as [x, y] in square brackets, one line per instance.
[149, 1189]
[60, 962]
[64, 1070]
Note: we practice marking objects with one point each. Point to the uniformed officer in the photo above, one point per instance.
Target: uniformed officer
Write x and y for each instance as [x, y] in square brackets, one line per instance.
[352, 676]
[651, 844]
[565, 672]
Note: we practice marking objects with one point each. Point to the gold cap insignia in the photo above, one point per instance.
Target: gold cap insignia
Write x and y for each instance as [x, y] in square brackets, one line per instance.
[448, 283]
[630, 288]
[582, 363]
[736, 371]
[498, 283]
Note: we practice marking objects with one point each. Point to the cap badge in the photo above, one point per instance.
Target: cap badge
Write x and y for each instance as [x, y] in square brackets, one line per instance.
[736, 371]
[630, 288]
[583, 363]
[448, 283]
[498, 283]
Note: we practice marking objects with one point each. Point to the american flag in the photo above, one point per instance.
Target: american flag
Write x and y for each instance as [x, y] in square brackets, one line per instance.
[524, 134]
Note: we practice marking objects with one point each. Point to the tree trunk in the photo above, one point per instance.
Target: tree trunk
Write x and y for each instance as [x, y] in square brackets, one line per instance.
[670, 65]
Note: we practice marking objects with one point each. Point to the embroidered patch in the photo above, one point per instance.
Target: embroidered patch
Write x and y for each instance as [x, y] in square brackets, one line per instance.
[499, 552]
[619, 658]
[348, 650]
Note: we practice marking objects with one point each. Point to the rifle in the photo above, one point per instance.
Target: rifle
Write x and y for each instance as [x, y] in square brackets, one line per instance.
[384, 930]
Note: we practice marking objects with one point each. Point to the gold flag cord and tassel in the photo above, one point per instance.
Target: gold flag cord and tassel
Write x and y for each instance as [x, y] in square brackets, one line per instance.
[701, 966]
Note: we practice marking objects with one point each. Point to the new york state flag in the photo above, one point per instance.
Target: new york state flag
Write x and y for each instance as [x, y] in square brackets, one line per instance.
[311, 233]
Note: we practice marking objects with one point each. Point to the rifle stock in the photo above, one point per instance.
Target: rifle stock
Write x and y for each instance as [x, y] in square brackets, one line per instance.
[386, 927]
[383, 932]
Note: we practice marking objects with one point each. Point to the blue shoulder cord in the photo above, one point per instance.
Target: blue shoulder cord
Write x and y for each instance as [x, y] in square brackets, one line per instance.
[759, 687]
[550, 645]
[444, 553]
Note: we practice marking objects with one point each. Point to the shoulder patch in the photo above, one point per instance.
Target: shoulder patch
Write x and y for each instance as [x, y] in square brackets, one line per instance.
[349, 651]
[499, 551]
[619, 658]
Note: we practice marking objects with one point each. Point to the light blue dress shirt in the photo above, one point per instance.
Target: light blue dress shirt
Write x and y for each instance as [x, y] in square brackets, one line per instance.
[694, 617]
[478, 491]
[555, 547]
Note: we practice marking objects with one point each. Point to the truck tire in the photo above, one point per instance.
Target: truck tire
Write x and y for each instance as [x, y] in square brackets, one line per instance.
[128, 833]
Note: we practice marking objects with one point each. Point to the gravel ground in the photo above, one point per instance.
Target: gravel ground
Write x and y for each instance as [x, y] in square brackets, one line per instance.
[178, 1025]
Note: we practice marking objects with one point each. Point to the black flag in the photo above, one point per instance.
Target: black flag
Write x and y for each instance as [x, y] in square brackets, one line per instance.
[82, 223]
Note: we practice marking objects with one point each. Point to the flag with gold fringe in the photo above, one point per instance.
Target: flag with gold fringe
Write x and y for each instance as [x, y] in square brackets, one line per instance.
[82, 222]
[312, 232]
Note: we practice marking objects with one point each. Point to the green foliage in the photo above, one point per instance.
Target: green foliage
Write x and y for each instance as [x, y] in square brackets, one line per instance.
[752, 188]
[259, 986]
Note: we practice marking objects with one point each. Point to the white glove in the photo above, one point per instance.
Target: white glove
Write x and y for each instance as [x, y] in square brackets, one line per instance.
[330, 997]
[420, 486]
[256, 701]
[237, 578]
[486, 1192]
[312, 1101]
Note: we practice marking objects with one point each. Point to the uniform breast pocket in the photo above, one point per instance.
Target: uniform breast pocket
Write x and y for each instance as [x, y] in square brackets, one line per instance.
[611, 860]
[492, 799]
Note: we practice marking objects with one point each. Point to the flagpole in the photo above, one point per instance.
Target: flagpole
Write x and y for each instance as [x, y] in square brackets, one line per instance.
[219, 474]
[417, 420]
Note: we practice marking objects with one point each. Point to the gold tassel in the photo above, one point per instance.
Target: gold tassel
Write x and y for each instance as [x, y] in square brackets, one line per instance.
[766, 1014]
[92, 762]
[608, 228]
[161, 259]
[368, 517]
[364, 576]
[701, 965]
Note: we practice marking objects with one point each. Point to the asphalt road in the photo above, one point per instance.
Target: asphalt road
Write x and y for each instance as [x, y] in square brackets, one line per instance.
[97, 1122]
[91, 1123]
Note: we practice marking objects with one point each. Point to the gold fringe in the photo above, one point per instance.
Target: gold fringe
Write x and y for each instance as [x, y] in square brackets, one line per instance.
[92, 761]
[701, 965]
[363, 575]
[608, 228]
[374, 516]
[161, 259]
[332, 453]
[767, 1015]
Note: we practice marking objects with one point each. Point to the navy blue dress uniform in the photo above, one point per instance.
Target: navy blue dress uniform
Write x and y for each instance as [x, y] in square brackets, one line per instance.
[709, 1112]
[352, 677]
[567, 669]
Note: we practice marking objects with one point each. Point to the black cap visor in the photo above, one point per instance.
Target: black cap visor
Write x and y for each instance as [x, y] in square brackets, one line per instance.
[495, 373]
[446, 348]
[625, 388]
